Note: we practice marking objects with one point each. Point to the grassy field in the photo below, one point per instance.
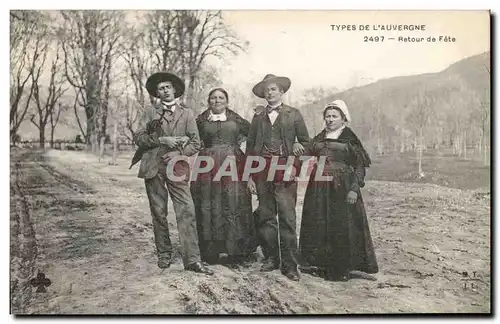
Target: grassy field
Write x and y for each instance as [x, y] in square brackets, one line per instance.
[441, 168]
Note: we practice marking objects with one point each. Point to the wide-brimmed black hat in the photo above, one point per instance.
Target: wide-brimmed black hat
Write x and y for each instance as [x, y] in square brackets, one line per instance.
[260, 87]
[153, 80]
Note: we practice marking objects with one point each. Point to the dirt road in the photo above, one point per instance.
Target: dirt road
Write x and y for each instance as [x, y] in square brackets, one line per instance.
[86, 225]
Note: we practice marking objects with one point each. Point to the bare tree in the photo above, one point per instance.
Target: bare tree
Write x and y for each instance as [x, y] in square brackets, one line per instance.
[26, 54]
[485, 107]
[208, 79]
[176, 41]
[315, 95]
[116, 115]
[90, 42]
[379, 126]
[207, 36]
[53, 93]
[55, 114]
[421, 110]
[402, 130]
[138, 64]
[181, 42]
[165, 50]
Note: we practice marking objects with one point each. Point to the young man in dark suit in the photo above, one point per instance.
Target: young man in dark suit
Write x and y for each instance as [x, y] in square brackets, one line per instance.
[277, 134]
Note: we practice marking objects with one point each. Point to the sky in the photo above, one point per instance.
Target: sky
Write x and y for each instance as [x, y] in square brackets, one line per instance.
[303, 46]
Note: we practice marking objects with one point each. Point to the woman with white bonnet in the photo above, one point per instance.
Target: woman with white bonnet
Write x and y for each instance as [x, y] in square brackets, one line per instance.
[335, 240]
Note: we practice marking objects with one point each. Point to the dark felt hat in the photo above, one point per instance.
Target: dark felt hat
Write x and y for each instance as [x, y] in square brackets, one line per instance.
[260, 87]
[153, 80]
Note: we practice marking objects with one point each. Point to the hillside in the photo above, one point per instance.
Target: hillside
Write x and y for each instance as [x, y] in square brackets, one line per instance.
[462, 86]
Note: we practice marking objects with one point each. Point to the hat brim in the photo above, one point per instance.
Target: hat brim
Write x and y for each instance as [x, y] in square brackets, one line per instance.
[259, 88]
[153, 80]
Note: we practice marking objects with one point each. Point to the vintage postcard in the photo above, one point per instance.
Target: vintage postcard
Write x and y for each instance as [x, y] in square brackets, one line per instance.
[259, 162]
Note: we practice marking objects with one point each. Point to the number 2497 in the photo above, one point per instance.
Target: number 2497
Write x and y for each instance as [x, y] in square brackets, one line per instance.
[374, 39]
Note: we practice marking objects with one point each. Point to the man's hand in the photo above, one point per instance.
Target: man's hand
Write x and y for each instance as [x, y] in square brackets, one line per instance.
[169, 141]
[182, 141]
[251, 186]
[169, 155]
[298, 149]
[352, 197]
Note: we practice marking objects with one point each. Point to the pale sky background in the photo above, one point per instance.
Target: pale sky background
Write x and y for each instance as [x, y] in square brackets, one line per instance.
[302, 45]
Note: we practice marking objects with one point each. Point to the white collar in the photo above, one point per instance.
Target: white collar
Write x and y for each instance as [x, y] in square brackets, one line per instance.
[169, 105]
[334, 134]
[217, 117]
[274, 106]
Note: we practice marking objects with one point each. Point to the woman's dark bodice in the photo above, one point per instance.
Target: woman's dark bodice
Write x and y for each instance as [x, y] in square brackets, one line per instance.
[219, 132]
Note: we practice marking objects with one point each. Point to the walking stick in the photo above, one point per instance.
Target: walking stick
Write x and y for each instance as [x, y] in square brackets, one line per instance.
[279, 241]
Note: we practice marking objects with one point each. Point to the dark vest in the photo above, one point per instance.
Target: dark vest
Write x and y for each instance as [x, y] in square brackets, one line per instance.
[273, 144]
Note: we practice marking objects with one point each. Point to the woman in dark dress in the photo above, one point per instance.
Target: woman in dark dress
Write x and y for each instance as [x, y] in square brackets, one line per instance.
[335, 239]
[223, 206]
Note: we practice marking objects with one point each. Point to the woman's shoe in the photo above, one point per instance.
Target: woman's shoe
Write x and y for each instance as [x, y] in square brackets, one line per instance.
[210, 259]
[337, 276]
[312, 270]
[361, 275]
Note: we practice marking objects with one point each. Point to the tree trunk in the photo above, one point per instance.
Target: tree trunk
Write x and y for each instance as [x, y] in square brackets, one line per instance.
[93, 142]
[420, 152]
[371, 146]
[417, 152]
[459, 145]
[13, 138]
[484, 143]
[51, 137]
[402, 148]
[115, 142]
[465, 145]
[42, 137]
[480, 144]
[89, 136]
[101, 148]
[483, 139]
[485, 152]
[380, 148]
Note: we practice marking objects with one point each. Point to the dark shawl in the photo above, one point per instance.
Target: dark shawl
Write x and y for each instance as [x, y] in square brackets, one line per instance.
[349, 137]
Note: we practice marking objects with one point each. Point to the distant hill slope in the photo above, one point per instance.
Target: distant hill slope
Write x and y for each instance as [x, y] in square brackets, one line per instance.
[460, 87]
